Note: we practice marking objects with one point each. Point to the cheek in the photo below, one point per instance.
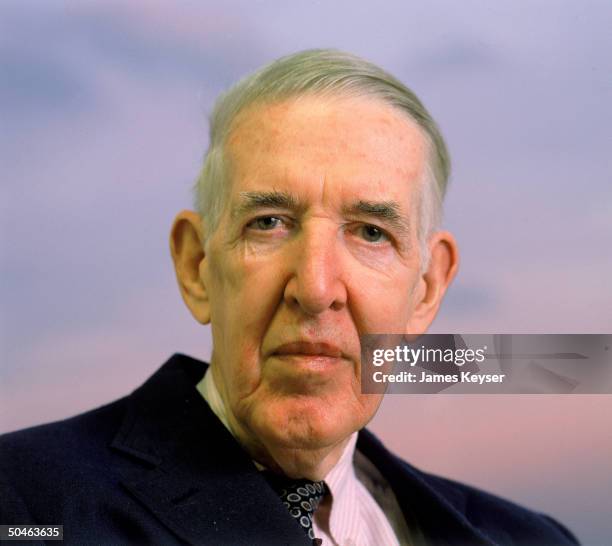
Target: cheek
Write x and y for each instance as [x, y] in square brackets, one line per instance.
[383, 304]
[369, 404]
[244, 296]
[246, 282]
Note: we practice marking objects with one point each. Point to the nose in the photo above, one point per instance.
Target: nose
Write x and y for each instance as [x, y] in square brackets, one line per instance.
[316, 277]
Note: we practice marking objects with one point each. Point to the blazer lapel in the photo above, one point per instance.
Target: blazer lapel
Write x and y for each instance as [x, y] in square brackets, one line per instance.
[192, 475]
[440, 516]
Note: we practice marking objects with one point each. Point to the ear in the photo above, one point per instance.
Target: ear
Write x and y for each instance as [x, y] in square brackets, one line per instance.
[443, 266]
[187, 249]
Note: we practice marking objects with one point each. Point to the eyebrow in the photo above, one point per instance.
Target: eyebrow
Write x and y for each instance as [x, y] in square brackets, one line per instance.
[253, 200]
[387, 212]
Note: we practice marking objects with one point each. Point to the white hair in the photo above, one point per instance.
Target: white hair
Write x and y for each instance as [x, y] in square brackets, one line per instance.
[322, 72]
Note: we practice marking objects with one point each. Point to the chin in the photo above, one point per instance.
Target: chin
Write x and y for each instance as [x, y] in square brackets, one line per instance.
[304, 423]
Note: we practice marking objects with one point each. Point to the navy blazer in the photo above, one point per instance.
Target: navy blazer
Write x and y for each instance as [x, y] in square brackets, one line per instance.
[158, 467]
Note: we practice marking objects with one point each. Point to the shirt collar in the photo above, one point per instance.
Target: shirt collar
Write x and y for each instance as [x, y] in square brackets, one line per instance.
[208, 389]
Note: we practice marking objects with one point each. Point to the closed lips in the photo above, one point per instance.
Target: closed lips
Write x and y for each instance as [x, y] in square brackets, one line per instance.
[308, 349]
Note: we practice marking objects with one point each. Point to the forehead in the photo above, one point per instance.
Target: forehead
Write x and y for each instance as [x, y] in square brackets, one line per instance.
[349, 145]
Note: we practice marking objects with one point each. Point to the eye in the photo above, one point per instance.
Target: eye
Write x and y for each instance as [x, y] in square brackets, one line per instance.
[372, 234]
[265, 223]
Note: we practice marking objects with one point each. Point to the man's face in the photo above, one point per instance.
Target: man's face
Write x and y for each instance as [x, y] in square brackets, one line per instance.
[315, 246]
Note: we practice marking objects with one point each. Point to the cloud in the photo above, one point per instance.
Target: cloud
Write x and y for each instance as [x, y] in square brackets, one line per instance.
[465, 298]
[33, 85]
[53, 62]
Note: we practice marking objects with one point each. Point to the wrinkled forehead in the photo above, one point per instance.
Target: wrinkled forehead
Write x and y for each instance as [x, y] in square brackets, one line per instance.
[356, 145]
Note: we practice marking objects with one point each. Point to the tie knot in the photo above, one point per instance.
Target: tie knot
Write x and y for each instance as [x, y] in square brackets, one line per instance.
[300, 497]
[305, 493]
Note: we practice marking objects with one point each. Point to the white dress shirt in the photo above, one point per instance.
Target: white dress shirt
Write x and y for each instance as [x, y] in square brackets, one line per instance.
[364, 510]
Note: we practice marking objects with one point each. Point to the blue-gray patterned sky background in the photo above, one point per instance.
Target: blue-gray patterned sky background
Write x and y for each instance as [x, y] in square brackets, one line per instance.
[103, 124]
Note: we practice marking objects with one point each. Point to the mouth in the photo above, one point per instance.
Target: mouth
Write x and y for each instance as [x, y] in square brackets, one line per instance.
[301, 366]
[309, 350]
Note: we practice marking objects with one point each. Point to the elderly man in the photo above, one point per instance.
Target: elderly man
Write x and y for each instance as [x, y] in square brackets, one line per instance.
[318, 212]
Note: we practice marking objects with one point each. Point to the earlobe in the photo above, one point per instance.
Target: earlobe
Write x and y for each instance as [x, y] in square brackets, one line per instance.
[443, 266]
[187, 250]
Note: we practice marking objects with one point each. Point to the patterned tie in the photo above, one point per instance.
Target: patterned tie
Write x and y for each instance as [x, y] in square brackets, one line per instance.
[301, 497]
